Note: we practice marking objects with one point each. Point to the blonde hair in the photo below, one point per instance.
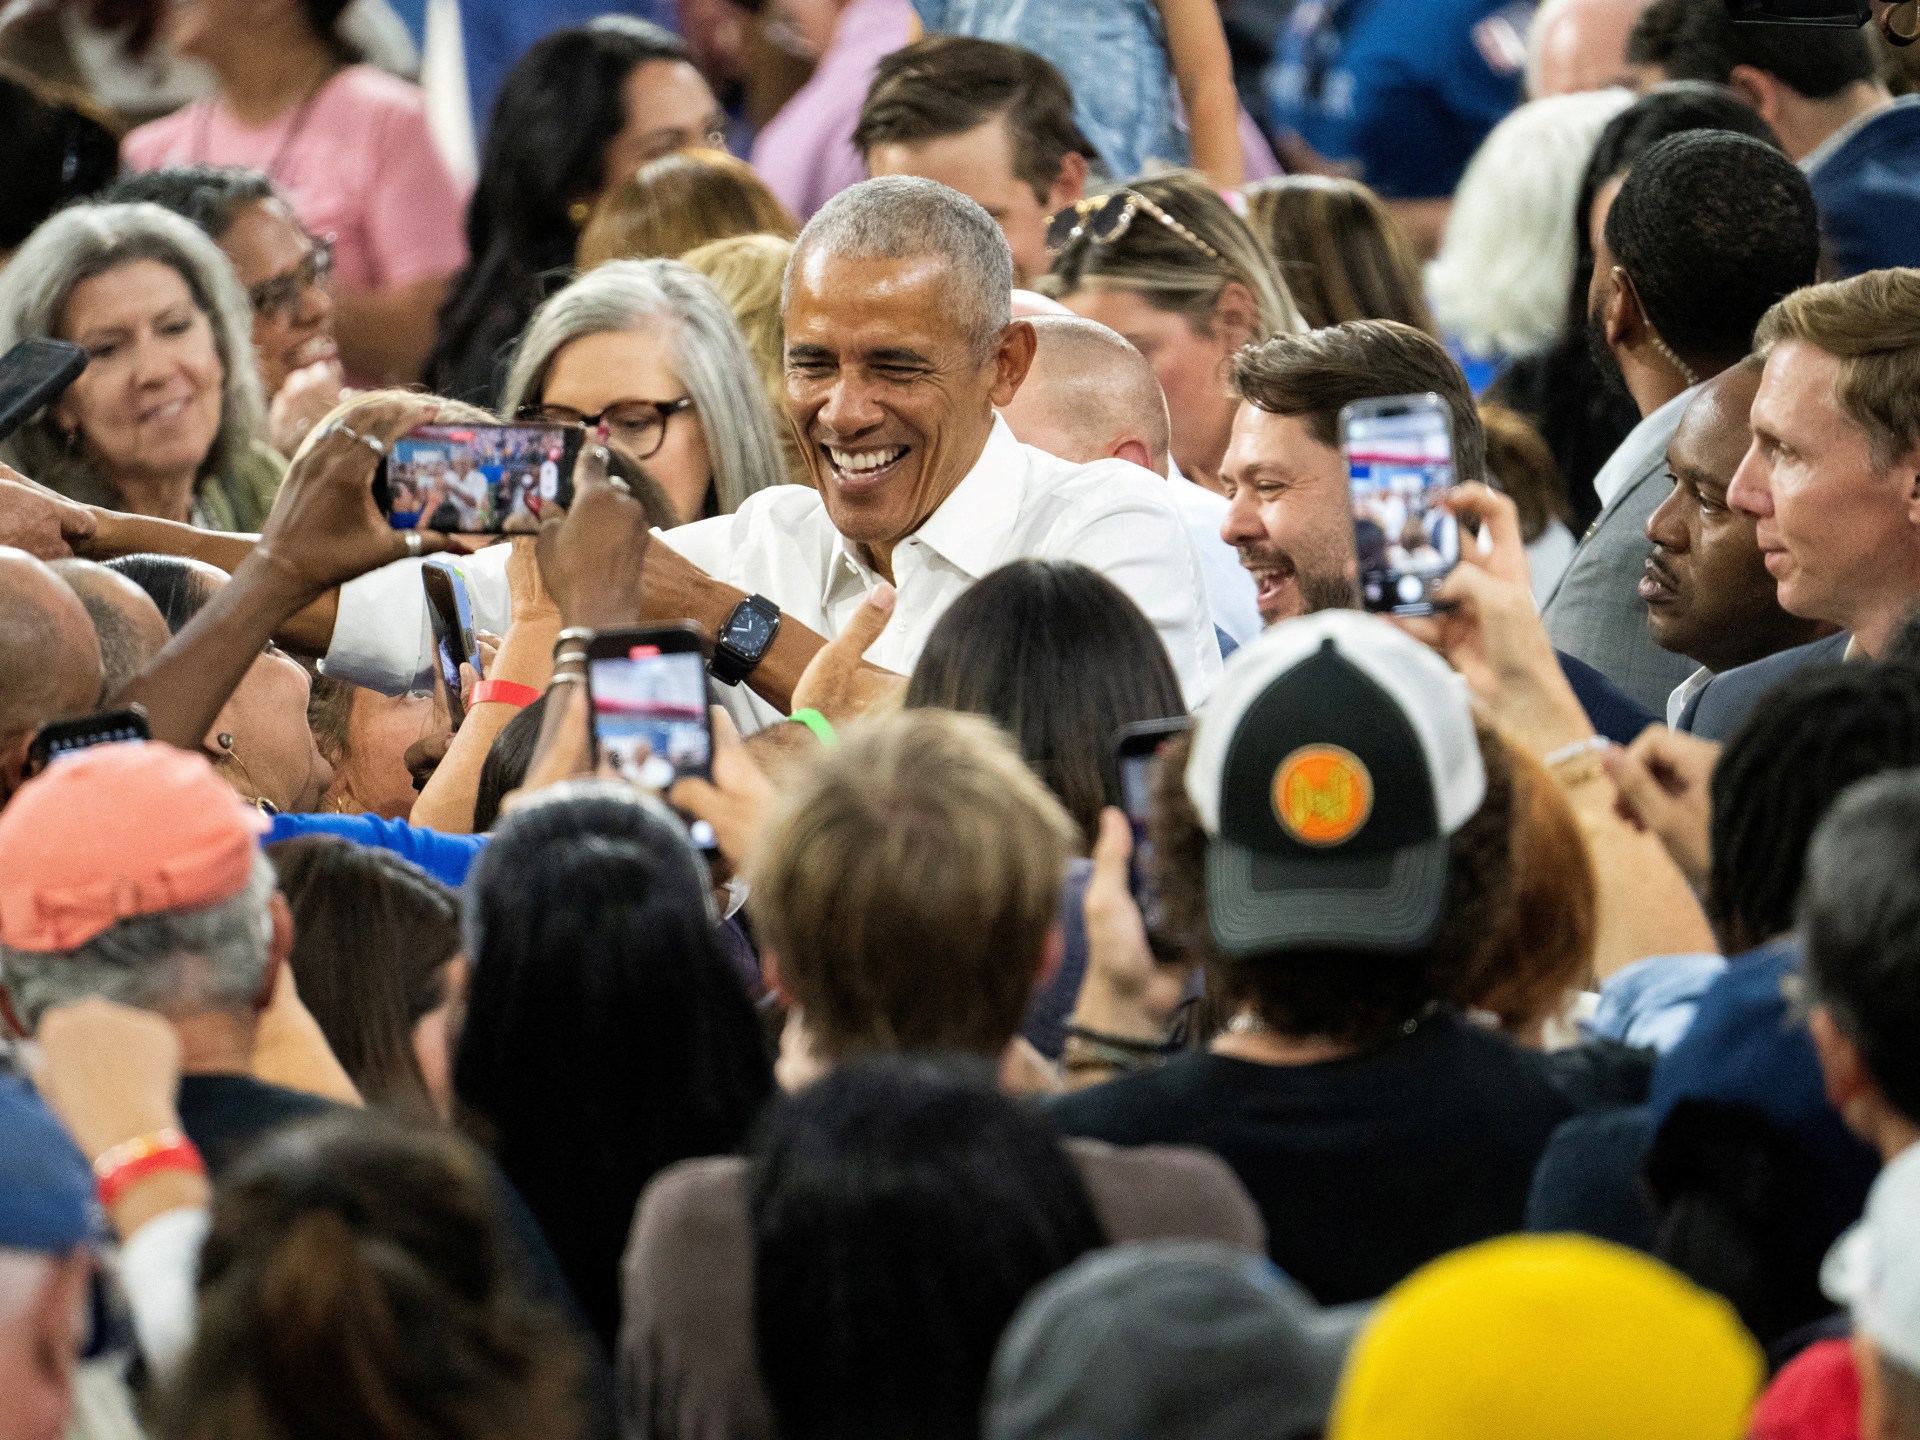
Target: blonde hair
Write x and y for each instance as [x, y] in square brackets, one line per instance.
[1871, 324]
[907, 885]
[1343, 254]
[747, 270]
[677, 202]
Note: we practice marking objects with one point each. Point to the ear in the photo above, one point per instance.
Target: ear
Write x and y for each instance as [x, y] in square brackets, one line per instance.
[1621, 317]
[1236, 315]
[1907, 467]
[1012, 358]
[770, 977]
[279, 947]
[1134, 451]
[1070, 185]
[1053, 955]
[1841, 1068]
[1757, 88]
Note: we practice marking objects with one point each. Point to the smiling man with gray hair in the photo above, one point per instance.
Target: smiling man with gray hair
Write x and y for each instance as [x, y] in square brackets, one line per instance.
[899, 345]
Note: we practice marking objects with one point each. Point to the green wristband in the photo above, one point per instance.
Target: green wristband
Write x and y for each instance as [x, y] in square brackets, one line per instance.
[818, 724]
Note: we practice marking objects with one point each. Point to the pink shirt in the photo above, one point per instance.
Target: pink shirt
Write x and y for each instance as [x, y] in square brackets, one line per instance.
[805, 153]
[359, 164]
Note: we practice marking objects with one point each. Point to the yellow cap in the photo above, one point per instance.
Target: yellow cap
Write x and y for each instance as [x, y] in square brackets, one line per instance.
[1549, 1337]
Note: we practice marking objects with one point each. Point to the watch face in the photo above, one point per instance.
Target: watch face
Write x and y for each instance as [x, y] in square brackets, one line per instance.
[748, 631]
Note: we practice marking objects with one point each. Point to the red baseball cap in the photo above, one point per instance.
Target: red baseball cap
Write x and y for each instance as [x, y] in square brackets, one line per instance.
[115, 832]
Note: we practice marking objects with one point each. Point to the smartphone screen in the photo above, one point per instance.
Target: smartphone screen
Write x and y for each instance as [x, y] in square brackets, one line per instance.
[65, 738]
[33, 374]
[451, 614]
[1400, 467]
[1138, 752]
[477, 479]
[650, 714]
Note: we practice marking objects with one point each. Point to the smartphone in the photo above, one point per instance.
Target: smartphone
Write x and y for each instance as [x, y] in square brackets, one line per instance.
[1399, 455]
[647, 690]
[1137, 749]
[1839, 14]
[451, 614]
[34, 374]
[477, 479]
[69, 737]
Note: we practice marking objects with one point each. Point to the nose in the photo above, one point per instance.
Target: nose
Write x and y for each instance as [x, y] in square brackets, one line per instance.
[152, 360]
[1663, 525]
[315, 308]
[850, 408]
[1750, 492]
[1242, 525]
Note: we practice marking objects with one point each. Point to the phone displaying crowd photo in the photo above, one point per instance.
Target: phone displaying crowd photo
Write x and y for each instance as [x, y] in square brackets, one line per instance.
[1138, 752]
[477, 479]
[69, 737]
[451, 612]
[1399, 454]
[648, 693]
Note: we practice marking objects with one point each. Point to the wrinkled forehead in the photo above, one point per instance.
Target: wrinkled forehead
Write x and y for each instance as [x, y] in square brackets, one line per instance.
[855, 303]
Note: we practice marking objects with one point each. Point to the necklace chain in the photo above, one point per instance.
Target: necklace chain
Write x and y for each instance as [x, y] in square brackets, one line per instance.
[295, 128]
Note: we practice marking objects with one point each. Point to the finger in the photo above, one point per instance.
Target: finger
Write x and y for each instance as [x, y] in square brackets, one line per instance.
[1498, 516]
[1112, 848]
[696, 797]
[1639, 790]
[389, 416]
[592, 470]
[431, 542]
[869, 622]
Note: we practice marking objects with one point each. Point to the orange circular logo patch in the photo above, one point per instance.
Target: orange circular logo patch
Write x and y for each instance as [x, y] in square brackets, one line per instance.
[1322, 794]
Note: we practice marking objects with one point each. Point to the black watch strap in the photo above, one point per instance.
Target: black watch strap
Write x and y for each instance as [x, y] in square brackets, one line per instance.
[745, 639]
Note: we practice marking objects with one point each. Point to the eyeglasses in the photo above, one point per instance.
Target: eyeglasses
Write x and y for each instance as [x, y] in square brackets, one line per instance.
[1103, 219]
[280, 296]
[638, 427]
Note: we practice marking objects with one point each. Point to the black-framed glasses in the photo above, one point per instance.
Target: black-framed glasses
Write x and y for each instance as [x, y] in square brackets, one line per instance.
[280, 296]
[638, 427]
[1103, 219]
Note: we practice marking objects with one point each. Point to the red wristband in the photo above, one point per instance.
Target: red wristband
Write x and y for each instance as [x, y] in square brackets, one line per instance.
[504, 692]
[125, 1166]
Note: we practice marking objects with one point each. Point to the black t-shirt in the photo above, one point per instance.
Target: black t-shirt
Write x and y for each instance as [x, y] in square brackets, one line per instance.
[1364, 1168]
[224, 1114]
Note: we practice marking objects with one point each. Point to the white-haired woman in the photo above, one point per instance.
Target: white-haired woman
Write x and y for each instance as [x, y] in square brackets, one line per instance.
[1499, 284]
[650, 349]
[167, 418]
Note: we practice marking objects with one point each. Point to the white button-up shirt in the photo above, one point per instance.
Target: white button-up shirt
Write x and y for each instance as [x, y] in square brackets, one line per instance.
[1015, 503]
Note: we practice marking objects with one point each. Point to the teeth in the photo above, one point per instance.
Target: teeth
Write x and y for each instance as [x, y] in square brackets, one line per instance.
[860, 461]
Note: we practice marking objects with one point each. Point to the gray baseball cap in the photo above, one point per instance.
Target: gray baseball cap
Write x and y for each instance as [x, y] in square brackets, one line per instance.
[1169, 1340]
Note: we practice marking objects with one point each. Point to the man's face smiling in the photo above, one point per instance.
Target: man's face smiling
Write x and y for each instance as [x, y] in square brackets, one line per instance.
[1290, 515]
[890, 398]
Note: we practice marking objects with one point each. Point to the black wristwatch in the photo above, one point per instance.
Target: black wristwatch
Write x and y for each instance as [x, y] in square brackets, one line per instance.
[745, 639]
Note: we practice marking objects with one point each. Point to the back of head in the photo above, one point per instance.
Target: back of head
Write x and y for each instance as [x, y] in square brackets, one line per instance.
[680, 201]
[129, 626]
[45, 673]
[949, 84]
[1712, 229]
[902, 1208]
[356, 1281]
[59, 150]
[211, 196]
[1315, 374]
[1061, 658]
[1871, 323]
[1520, 464]
[1169, 269]
[1699, 40]
[1087, 389]
[372, 934]
[1342, 253]
[1500, 282]
[506, 764]
[901, 217]
[176, 585]
[1860, 921]
[748, 271]
[606, 1034]
[1819, 732]
[907, 885]
[1549, 1335]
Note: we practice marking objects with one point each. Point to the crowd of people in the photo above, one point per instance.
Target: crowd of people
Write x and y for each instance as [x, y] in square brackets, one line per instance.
[796, 768]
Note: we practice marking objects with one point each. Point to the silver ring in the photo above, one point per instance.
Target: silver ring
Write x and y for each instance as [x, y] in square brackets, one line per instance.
[615, 482]
[372, 442]
[414, 544]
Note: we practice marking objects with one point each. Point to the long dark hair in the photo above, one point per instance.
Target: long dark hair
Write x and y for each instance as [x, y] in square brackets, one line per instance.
[1061, 658]
[902, 1209]
[372, 935]
[357, 1280]
[606, 1036]
[545, 153]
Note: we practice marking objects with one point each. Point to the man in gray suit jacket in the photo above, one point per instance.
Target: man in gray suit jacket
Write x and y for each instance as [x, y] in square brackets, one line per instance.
[1705, 232]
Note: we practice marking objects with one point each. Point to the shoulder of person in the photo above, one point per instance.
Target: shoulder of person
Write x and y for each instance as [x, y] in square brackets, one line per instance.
[688, 1207]
[1156, 1192]
[1099, 485]
[372, 92]
[145, 146]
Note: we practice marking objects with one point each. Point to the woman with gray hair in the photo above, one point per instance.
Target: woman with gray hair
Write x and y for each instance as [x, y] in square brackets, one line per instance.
[649, 350]
[167, 418]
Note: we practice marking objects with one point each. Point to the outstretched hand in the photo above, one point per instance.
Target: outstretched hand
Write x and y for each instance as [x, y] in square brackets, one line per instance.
[1663, 778]
[839, 681]
[592, 556]
[42, 522]
[1126, 991]
[737, 802]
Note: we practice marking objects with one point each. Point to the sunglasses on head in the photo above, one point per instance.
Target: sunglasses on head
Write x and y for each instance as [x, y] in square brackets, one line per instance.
[1103, 219]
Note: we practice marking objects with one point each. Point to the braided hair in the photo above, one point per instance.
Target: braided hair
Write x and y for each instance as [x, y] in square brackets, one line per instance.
[1812, 737]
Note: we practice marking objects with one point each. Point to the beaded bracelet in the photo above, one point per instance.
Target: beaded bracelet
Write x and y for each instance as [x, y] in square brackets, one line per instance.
[128, 1163]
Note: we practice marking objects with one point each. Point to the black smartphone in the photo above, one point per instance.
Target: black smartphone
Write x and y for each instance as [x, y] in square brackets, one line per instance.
[1399, 453]
[68, 737]
[477, 479]
[451, 613]
[1838, 14]
[1137, 750]
[647, 690]
[34, 374]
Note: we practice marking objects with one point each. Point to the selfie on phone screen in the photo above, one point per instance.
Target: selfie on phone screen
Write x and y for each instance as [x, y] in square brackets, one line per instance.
[1400, 466]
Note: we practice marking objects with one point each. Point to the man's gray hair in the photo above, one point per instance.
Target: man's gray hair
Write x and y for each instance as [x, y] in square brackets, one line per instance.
[901, 217]
[89, 240]
[176, 962]
[710, 356]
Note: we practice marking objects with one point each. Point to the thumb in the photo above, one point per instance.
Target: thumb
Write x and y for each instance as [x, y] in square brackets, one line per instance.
[1640, 790]
[695, 796]
[867, 622]
[1112, 849]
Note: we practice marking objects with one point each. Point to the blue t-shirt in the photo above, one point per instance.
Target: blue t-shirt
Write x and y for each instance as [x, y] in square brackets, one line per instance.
[445, 857]
[1405, 90]
[1868, 189]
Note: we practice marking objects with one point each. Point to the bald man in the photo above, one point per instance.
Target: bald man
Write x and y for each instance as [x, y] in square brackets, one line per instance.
[1090, 395]
[1576, 45]
[49, 659]
[129, 626]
